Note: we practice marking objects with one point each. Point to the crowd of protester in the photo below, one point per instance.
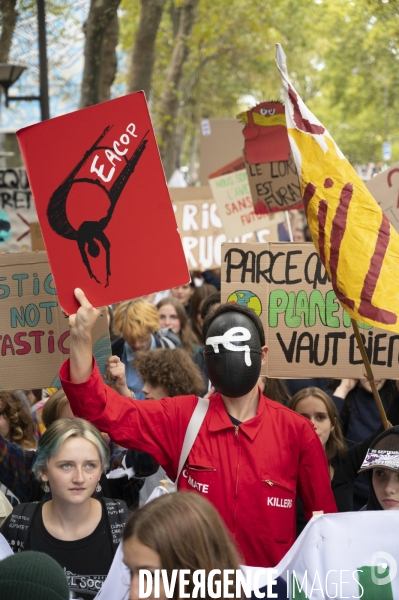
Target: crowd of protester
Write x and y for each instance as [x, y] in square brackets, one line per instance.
[80, 466]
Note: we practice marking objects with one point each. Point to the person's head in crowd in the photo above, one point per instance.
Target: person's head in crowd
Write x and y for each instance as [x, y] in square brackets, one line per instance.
[199, 296]
[32, 576]
[16, 423]
[168, 373]
[56, 407]
[33, 396]
[317, 406]
[135, 321]
[274, 389]
[235, 349]
[149, 298]
[183, 293]
[177, 531]
[70, 458]
[211, 302]
[173, 316]
[382, 464]
[387, 385]
[365, 384]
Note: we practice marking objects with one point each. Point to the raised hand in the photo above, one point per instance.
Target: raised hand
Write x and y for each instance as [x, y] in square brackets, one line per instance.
[116, 374]
[345, 387]
[81, 347]
[82, 322]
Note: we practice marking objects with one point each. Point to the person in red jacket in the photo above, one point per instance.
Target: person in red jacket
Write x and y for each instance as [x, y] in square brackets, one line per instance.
[251, 457]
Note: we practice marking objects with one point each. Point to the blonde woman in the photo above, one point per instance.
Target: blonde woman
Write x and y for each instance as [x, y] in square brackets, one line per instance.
[137, 322]
[78, 531]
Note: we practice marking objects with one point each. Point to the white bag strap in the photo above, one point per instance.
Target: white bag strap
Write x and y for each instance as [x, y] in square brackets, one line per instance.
[192, 431]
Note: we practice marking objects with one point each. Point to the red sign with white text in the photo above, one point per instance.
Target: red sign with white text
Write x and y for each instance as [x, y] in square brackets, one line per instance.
[103, 204]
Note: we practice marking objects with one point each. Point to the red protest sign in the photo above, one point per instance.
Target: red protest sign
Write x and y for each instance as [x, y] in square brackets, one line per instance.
[103, 204]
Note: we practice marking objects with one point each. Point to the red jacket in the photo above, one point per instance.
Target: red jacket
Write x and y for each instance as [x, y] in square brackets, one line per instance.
[251, 472]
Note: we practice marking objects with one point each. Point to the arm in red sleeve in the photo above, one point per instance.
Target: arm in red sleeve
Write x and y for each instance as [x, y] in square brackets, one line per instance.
[314, 483]
[154, 426]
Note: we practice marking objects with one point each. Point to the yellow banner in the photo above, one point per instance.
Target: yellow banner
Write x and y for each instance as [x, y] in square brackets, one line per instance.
[354, 238]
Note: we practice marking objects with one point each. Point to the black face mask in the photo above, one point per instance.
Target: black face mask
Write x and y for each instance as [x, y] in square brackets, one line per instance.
[233, 354]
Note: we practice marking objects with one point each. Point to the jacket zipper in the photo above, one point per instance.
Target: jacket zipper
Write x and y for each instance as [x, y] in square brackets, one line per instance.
[201, 469]
[236, 428]
[271, 483]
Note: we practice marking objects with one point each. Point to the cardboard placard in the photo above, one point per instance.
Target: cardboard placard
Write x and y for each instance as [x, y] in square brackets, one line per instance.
[307, 331]
[230, 190]
[221, 142]
[201, 228]
[36, 237]
[103, 204]
[17, 210]
[34, 332]
[385, 189]
[274, 186]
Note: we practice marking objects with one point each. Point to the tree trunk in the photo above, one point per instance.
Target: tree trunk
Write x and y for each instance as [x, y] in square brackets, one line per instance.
[9, 19]
[101, 13]
[169, 102]
[143, 58]
[174, 13]
[109, 61]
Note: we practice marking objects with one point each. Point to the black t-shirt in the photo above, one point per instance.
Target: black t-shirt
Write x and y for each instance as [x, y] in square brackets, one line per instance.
[86, 562]
[234, 420]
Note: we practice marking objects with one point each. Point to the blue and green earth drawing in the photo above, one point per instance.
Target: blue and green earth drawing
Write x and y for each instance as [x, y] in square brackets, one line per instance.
[5, 226]
[246, 298]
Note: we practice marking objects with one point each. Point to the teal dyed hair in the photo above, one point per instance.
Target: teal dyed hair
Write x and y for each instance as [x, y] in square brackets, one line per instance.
[61, 430]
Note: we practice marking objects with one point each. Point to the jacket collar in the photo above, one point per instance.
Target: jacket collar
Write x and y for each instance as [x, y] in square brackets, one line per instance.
[219, 419]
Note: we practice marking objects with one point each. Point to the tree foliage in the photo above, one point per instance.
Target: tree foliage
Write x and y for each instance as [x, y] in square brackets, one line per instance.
[342, 55]
[358, 82]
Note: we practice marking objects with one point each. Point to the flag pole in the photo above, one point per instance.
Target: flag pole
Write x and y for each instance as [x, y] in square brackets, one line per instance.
[369, 375]
[287, 217]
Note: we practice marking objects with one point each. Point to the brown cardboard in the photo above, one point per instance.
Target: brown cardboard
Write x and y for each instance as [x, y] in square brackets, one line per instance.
[230, 189]
[274, 186]
[221, 141]
[201, 229]
[17, 210]
[34, 332]
[36, 237]
[286, 275]
[385, 189]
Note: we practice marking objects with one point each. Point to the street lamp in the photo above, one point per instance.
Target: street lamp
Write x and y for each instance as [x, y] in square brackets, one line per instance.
[9, 73]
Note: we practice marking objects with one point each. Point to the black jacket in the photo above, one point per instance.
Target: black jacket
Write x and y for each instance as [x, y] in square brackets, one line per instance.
[346, 468]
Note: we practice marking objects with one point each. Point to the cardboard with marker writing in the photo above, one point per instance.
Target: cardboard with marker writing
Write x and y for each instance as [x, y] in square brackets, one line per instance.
[385, 189]
[103, 203]
[201, 228]
[271, 170]
[34, 336]
[17, 210]
[230, 189]
[307, 331]
[274, 186]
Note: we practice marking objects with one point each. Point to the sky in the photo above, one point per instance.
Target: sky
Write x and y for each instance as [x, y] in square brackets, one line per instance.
[65, 42]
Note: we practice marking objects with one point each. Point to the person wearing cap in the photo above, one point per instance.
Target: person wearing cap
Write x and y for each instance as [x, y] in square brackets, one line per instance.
[32, 576]
[251, 456]
[382, 464]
